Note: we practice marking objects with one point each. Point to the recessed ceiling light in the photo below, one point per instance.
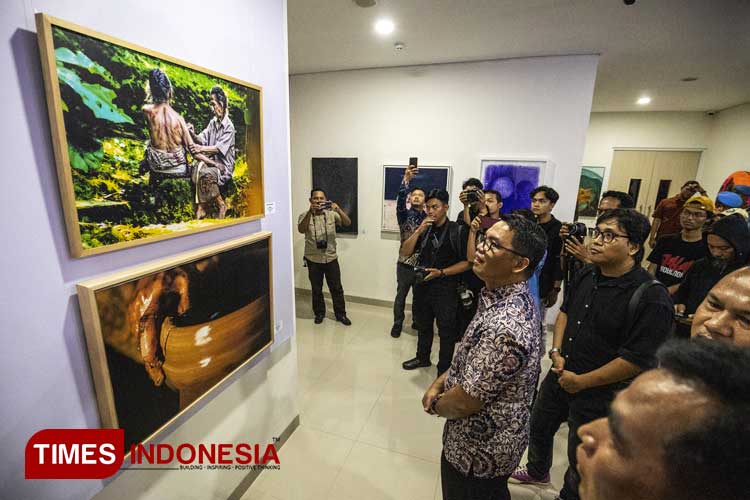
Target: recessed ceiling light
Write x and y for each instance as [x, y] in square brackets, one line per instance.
[385, 26]
[644, 100]
[689, 79]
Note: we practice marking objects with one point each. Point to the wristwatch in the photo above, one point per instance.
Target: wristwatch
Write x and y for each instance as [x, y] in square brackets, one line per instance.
[433, 404]
[552, 351]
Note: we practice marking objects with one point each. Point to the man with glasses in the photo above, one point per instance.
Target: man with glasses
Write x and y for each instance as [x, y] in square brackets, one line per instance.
[674, 255]
[667, 213]
[441, 248]
[599, 343]
[486, 393]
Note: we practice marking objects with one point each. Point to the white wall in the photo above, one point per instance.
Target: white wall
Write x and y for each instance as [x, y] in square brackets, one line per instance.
[658, 129]
[729, 146]
[46, 378]
[453, 114]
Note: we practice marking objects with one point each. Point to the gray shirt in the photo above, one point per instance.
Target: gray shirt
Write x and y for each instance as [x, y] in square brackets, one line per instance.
[321, 228]
[221, 134]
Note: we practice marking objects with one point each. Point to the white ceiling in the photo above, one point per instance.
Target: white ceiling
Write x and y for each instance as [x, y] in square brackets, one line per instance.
[645, 48]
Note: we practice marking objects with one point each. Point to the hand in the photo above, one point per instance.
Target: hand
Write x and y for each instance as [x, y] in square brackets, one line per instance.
[551, 298]
[558, 363]
[571, 382]
[679, 308]
[156, 297]
[432, 393]
[462, 197]
[476, 224]
[480, 198]
[426, 223]
[190, 128]
[433, 273]
[335, 206]
[564, 232]
[410, 172]
[314, 206]
[577, 249]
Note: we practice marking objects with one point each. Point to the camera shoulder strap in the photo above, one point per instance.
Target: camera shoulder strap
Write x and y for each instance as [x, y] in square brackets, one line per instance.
[635, 301]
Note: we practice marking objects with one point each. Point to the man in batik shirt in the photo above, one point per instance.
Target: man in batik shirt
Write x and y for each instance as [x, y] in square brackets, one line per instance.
[487, 392]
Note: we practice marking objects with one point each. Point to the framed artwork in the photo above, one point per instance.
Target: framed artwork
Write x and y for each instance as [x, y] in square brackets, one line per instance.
[589, 191]
[147, 147]
[338, 178]
[162, 335]
[428, 178]
[514, 180]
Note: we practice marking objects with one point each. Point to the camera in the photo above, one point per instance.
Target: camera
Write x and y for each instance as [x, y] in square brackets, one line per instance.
[420, 273]
[472, 196]
[321, 244]
[577, 230]
[326, 205]
[465, 296]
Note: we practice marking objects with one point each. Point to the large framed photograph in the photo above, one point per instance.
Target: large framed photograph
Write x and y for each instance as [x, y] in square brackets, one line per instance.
[515, 180]
[337, 177]
[162, 335]
[147, 147]
[589, 191]
[428, 178]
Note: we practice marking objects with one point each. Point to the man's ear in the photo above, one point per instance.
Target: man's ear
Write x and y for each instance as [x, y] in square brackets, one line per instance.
[634, 248]
[522, 265]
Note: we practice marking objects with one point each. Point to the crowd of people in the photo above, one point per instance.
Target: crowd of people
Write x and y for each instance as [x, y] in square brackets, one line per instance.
[651, 412]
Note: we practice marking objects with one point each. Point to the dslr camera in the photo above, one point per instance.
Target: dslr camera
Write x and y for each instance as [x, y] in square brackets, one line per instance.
[321, 244]
[326, 205]
[472, 196]
[420, 273]
[465, 296]
[577, 230]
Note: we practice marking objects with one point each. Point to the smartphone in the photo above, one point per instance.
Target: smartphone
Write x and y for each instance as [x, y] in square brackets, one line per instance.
[413, 161]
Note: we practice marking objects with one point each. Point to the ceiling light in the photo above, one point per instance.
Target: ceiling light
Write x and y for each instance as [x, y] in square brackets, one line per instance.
[689, 79]
[644, 100]
[385, 27]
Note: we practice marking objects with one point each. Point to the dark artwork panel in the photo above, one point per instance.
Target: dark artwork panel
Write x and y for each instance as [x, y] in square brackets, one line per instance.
[427, 179]
[338, 178]
[210, 316]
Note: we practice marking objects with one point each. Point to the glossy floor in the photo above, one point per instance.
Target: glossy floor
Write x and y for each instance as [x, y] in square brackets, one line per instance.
[363, 434]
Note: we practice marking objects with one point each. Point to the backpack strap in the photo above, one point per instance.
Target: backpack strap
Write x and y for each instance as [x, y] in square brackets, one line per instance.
[635, 301]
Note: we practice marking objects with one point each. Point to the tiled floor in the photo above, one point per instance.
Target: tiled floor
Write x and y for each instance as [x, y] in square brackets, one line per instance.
[363, 434]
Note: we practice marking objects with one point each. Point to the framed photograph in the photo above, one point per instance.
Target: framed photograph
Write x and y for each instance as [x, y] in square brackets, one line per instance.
[162, 335]
[428, 178]
[515, 180]
[338, 178]
[147, 147]
[589, 191]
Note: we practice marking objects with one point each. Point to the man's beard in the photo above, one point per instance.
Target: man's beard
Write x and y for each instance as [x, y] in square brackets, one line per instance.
[718, 264]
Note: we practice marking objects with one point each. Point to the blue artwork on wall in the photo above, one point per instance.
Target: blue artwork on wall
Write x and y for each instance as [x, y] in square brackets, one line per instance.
[428, 178]
[514, 180]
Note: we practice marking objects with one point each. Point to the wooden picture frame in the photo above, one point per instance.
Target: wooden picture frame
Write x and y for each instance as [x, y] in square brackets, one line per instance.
[118, 187]
[227, 323]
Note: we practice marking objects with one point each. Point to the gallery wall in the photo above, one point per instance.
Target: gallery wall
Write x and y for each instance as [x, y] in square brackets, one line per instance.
[729, 146]
[46, 373]
[452, 114]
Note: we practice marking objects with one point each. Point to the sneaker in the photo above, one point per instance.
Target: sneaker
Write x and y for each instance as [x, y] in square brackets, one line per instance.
[522, 476]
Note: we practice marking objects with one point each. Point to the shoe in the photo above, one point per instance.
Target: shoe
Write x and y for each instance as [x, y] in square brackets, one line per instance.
[415, 363]
[343, 320]
[414, 326]
[522, 476]
[319, 319]
[396, 331]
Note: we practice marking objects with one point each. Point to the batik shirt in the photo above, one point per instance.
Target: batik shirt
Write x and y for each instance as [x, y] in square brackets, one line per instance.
[497, 362]
[408, 221]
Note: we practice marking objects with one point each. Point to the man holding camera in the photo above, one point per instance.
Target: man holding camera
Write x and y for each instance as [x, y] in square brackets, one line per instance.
[409, 220]
[440, 246]
[543, 200]
[612, 320]
[318, 224]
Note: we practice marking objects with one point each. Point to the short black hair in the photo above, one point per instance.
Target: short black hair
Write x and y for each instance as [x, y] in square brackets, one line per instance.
[626, 201]
[525, 213]
[635, 225]
[159, 86]
[440, 194]
[497, 194]
[313, 190]
[472, 181]
[417, 188]
[529, 239]
[710, 461]
[218, 92]
[549, 193]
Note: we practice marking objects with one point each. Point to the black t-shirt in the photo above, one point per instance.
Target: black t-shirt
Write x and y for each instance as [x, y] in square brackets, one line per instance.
[551, 271]
[673, 257]
[439, 252]
[597, 309]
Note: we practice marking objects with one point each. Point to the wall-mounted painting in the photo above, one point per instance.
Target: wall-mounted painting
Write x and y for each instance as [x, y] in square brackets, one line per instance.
[589, 191]
[427, 178]
[514, 180]
[338, 178]
[147, 147]
[162, 335]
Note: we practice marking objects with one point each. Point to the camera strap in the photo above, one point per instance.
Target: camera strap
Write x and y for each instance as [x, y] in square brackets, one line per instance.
[325, 226]
[430, 236]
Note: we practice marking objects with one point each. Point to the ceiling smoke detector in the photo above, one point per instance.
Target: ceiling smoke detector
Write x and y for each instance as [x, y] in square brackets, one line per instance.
[365, 3]
[399, 46]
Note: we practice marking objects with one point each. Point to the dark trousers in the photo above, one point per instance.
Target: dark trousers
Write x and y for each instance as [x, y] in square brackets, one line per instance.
[332, 273]
[405, 281]
[456, 486]
[552, 407]
[436, 301]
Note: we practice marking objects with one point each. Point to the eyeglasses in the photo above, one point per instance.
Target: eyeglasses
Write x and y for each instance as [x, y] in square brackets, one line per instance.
[488, 245]
[607, 236]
